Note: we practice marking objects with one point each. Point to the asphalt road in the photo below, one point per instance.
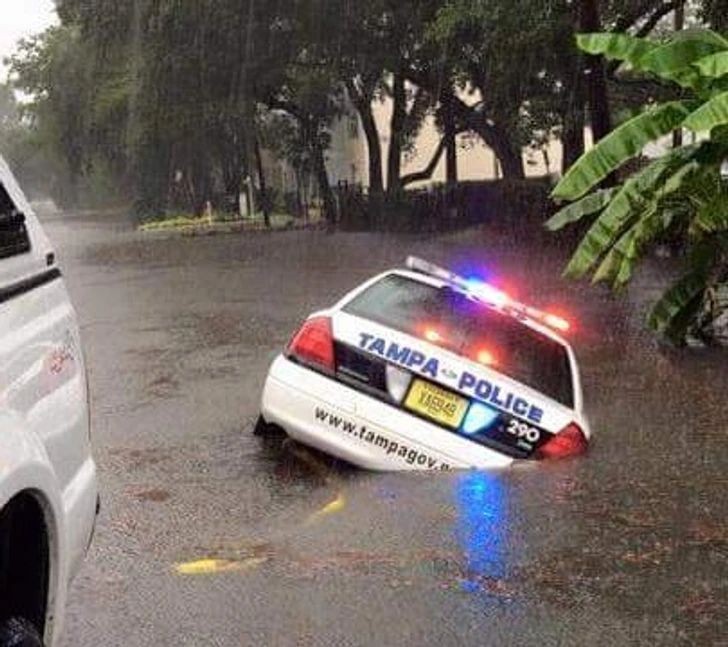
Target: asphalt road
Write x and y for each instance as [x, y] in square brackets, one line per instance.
[626, 546]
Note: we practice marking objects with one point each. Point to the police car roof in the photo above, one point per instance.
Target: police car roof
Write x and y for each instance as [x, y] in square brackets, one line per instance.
[438, 282]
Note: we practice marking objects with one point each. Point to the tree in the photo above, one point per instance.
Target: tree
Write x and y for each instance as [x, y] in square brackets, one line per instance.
[683, 193]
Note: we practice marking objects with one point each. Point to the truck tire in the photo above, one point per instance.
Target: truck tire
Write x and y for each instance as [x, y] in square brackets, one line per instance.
[19, 632]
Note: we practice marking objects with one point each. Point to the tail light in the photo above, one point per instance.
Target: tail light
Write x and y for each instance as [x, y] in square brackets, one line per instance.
[570, 441]
[313, 344]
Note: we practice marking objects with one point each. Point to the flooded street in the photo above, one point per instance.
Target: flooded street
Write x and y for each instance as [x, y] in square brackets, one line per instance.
[210, 536]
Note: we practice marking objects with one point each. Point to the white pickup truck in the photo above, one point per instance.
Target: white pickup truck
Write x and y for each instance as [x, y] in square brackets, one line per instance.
[48, 488]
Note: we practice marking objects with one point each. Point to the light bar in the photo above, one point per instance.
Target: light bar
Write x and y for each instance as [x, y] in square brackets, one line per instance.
[487, 294]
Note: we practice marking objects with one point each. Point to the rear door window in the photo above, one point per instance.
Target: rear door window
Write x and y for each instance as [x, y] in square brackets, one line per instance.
[14, 239]
[467, 327]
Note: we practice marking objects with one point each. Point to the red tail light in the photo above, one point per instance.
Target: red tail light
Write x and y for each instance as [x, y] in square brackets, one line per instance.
[570, 441]
[313, 344]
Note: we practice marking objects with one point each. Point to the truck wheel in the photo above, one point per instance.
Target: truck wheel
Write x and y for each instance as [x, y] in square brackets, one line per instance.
[18, 632]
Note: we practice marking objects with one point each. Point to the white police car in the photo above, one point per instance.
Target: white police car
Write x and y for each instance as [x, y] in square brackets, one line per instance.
[48, 488]
[420, 368]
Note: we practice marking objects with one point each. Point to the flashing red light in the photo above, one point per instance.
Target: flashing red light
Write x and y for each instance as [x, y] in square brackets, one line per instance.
[554, 321]
[570, 441]
[313, 344]
[485, 357]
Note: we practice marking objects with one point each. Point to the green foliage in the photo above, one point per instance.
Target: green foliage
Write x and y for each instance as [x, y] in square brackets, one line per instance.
[620, 47]
[711, 114]
[586, 206]
[714, 65]
[622, 144]
[681, 194]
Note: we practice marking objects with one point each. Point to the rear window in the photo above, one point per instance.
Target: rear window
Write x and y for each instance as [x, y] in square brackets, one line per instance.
[469, 328]
[13, 233]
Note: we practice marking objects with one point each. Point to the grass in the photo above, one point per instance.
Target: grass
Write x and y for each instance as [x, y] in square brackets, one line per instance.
[188, 221]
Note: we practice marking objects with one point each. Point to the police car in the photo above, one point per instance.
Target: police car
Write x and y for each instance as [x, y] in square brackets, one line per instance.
[421, 368]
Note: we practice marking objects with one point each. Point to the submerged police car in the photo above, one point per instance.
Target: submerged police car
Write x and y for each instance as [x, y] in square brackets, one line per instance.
[420, 368]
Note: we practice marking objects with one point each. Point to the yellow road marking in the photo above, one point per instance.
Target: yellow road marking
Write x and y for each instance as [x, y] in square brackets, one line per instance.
[214, 566]
[337, 505]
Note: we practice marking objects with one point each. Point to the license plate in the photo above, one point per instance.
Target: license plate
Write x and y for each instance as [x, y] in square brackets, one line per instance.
[437, 404]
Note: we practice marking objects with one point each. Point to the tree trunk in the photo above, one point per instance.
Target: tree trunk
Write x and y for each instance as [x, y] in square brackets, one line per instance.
[451, 151]
[509, 155]
[322, 178]
[362, 101]
[399, 115]
[264, 201]
[572, 138]
[596, 80]
[496, 138]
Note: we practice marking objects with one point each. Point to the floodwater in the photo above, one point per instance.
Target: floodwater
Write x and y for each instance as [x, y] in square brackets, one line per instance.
[209, 536]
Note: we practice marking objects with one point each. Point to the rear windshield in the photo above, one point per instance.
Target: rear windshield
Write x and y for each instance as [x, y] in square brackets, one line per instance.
[469, 328]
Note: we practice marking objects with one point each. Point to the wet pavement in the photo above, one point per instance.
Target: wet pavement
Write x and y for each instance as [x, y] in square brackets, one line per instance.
[210, 536]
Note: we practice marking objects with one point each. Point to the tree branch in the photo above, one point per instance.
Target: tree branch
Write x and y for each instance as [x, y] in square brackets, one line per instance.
[626, 21]
[425, 173]
[645, 30]
[658, 15]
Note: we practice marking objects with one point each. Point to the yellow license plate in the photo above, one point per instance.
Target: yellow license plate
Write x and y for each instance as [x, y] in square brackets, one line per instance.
[437, 404]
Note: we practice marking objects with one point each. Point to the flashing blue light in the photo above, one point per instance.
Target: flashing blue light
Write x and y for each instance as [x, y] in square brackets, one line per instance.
[479, 418]
[487, 292]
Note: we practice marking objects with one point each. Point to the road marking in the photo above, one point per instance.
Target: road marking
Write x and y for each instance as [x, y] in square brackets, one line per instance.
[215, 566]
[337, 505]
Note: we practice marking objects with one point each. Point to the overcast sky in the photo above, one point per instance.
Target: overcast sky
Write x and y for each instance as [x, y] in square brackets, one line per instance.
[20, 18]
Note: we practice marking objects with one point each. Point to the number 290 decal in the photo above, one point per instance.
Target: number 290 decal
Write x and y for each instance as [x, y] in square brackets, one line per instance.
[523, 431]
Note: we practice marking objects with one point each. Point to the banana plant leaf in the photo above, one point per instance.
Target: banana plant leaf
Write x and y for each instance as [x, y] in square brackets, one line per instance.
[684, 296]
[673, 60]
[673, 312]
[574, 212]
[618, 264]
[713, 66]
[623, 143]
[711, 114]
[711, 217]
[629, 202]
[619, 47]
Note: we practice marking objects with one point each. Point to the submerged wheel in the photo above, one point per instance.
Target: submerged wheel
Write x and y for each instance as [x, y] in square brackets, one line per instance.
[19, 632]
[262, 429]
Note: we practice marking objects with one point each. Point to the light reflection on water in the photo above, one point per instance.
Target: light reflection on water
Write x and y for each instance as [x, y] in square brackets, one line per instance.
[481, 526]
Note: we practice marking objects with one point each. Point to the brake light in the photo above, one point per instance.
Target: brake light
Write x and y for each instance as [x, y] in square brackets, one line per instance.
[432, 335]
[570, 441]
[313, 344]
